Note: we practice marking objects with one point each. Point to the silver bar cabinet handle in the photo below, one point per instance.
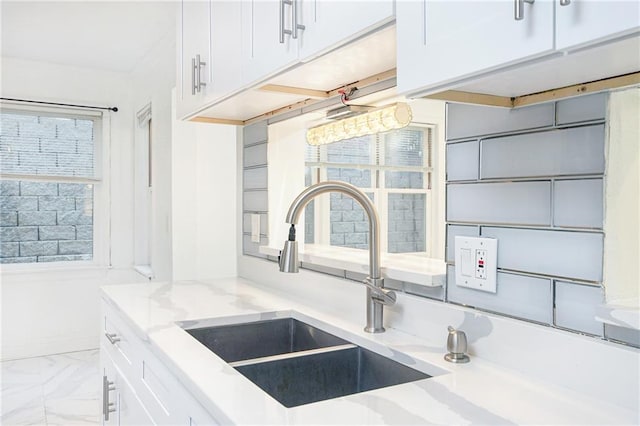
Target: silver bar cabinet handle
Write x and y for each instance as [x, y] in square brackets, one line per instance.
[283, 30]
[107, 407]
[199, 65]
[112, 338]
[565, 2]
[519, 8]
[295, 26]
[193, 76]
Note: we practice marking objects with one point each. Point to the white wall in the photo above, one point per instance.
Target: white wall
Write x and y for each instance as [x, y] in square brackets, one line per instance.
[51, 311]
[204, 189]
[622, 244]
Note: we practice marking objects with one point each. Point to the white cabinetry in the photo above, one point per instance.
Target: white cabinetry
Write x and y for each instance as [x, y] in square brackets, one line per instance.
[583, 22]
[209, 58]
[243, 44]
[280, 33]
[329, 23]
[267, 46]
[137, 388]
[442, 41]
[445, 44]
[194, 54]
[120, 404]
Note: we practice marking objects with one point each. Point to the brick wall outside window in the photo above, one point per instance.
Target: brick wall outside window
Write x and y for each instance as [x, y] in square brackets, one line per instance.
[45, 220]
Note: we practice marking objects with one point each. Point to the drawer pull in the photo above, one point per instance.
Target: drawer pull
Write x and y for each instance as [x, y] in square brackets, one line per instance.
[112, 337]
[107, 407]
[519, 8]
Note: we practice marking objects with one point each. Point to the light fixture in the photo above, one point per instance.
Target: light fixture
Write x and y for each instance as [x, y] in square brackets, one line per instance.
[382, 119]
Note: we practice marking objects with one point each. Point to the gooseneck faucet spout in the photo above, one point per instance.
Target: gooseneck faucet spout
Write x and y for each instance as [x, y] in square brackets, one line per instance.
[377, 295]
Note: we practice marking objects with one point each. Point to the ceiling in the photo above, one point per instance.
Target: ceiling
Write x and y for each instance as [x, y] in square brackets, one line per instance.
[107, 35]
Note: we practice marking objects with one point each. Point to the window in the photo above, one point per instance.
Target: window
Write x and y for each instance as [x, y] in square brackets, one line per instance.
[48, 177]
[394, 170]
[143, 192]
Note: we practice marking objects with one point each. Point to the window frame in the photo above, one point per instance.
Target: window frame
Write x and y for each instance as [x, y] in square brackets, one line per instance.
[321, 206]
[101, 256]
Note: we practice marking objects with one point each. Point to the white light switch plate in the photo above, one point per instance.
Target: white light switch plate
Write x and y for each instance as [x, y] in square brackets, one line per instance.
[476, 263]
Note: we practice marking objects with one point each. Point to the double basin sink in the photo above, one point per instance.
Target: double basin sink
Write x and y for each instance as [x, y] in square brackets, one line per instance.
[297, 363]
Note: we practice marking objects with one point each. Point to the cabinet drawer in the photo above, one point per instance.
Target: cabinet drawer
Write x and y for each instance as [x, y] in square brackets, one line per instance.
[158, 389]
[121, 344]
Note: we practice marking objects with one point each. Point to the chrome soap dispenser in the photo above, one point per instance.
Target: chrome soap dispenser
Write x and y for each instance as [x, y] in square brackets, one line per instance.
[457, 346]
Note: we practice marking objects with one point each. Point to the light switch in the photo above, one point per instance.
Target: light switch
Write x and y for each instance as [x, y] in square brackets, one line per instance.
[255, 228]
[476, 263]
[466, 262]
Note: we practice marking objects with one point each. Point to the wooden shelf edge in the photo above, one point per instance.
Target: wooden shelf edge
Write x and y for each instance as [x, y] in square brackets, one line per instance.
[315, 96]
[610, 83]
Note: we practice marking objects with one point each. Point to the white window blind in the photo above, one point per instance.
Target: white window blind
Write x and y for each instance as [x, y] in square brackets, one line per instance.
[32, 144]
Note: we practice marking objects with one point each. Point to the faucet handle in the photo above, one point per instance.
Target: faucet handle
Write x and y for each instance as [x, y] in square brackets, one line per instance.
[380, 294]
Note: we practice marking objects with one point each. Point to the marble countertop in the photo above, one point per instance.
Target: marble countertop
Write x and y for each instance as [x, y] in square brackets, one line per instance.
[621, 313]
[479, 392]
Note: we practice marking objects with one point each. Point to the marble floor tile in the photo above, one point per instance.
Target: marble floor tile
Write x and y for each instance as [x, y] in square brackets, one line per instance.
[59, 389]
[72, 411]
[71, 375]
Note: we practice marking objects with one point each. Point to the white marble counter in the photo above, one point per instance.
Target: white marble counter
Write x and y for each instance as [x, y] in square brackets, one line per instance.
[479, 392]
[621, 313]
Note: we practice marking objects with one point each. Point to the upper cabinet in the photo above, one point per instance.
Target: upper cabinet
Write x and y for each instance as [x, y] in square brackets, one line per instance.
[443, 41]
[580, 22]
[278, 34]
[329, 23]
[194, 54]
[269, 41]
[209, 53]
[443, 45]
[234, 47]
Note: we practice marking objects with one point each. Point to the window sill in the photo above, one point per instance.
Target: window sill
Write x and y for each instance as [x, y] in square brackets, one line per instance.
[620, 313]
[414, 268]
[49, 267]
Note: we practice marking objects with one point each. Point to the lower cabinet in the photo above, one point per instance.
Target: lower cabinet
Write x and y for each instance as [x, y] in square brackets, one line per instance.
[137, 389]
[120, 405]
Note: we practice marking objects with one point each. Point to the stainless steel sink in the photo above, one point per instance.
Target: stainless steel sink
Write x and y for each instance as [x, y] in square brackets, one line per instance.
[259, 339]
[297, 363]
[316, 377]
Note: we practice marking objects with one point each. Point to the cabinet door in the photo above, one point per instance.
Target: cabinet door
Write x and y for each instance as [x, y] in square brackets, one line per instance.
[583, 22]
[131, 412]
[441, 42]
[226, 48]
[195, 30]
[127, 408]
[108, 396]
[263, 53]
[330, 23]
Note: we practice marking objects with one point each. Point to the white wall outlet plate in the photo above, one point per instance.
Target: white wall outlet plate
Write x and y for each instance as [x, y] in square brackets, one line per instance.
[476, 263]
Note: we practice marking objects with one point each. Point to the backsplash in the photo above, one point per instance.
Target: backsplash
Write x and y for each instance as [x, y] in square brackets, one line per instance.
[254, 186]
[533, 178]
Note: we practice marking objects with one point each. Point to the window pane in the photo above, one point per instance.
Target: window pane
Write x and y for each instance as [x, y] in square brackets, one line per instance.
[352, 151]
[404, 147]
[407, 223]
[358, 177]
[349, 225]
[45, 221]
[42, 145]
[404, 180]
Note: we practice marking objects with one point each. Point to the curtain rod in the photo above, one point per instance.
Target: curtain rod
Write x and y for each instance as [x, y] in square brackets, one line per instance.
[114, 109]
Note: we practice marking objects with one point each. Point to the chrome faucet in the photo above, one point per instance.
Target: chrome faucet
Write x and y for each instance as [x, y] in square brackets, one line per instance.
[377, 295]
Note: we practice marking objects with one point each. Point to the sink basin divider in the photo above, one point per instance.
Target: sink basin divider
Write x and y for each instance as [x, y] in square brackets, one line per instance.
[292, 355]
